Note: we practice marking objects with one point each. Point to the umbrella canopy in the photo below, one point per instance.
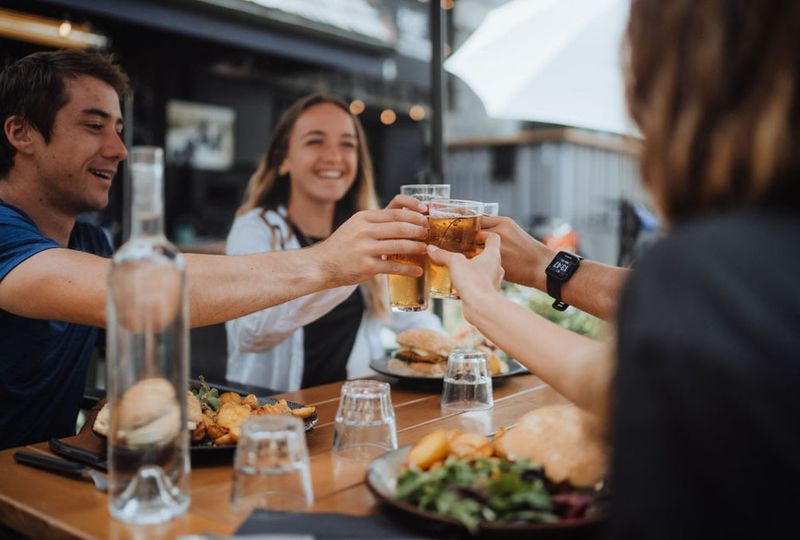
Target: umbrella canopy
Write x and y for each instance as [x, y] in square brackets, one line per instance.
[555, 61]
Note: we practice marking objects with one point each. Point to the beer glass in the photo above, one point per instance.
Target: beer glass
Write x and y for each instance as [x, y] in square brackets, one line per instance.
[454, 226]
[411, 293]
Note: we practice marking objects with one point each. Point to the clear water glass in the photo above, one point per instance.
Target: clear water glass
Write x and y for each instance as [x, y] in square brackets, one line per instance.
[271, 469]
[467, 383]
[491, 209]
[365, 424]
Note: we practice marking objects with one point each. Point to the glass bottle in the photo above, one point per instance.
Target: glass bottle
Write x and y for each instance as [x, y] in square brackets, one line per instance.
[148, 360]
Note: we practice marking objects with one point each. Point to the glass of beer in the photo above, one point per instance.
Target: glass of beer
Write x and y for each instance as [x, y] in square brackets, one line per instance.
[454, 226]
[411, 293]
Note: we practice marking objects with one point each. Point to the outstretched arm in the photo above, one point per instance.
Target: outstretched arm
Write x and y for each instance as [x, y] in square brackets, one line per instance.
[594, 288]
[577, 367]
[67, 285]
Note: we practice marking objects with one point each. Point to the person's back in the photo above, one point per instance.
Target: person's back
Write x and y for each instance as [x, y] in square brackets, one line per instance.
[709, 366]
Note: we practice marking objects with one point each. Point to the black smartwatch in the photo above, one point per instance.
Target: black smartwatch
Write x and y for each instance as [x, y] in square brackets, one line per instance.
[558, 272]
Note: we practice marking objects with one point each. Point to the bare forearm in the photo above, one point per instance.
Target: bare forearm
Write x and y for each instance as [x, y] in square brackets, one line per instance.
[594, 288]
[577, 367]
[227, 287]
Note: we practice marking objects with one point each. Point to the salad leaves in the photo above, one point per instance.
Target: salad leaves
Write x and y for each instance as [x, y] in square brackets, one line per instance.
[473, 490]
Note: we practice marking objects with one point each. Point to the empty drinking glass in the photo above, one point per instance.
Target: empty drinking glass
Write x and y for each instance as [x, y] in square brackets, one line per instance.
[491, 209]
[365, 424]
[467, 383]
[271, 466]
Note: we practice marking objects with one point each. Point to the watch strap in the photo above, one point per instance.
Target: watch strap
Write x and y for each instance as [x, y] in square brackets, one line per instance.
[554, 290]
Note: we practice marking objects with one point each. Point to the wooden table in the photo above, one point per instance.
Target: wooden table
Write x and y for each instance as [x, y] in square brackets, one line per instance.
[44, 505]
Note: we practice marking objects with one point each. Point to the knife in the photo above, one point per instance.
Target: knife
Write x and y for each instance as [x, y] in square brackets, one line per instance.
[64, 467]
[75, 453]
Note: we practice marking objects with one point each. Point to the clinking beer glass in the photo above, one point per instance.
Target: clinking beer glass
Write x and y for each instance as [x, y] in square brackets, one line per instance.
[454, 226]
[411, 293]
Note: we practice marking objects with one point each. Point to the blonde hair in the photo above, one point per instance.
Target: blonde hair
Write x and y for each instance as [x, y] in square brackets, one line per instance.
[269, 189]
[714, 86]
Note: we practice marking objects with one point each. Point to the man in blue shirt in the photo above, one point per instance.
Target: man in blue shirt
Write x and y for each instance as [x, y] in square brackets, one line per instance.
[60, 149]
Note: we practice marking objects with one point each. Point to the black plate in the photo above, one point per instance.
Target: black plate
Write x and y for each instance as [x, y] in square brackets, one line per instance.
[382, 481]
[382, 367]
[90, 447]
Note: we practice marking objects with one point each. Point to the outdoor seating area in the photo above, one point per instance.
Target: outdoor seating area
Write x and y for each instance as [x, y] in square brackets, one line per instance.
[377, 269]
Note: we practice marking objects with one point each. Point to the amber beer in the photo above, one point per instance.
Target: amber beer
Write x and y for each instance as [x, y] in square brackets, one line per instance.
[454, 226]
[411, 293]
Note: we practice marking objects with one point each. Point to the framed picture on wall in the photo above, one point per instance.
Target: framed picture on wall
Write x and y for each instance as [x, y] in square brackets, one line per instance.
[200, 136]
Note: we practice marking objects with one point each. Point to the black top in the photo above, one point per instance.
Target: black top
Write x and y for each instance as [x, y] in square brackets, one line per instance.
[707, 413]
[327, 342]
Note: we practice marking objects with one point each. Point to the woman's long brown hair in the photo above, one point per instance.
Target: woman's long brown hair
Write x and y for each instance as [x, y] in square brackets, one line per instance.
[714, 86]
[269, 189]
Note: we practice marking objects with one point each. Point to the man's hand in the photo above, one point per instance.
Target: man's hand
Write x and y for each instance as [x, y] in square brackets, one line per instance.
[474, 278]
[354, 252]
[524, 258]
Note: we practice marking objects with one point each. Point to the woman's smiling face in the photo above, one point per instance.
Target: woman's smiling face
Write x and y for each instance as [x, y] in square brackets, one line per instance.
[322, 160]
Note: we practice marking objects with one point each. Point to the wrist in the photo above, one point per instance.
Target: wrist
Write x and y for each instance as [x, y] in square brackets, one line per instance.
[541, 257]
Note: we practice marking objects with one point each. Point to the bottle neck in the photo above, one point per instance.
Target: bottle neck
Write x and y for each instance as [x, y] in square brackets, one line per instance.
[147, 210]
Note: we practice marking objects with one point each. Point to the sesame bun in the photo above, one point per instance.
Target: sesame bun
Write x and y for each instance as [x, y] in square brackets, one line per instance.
[423, 345]
[564, 440]
[194, 414]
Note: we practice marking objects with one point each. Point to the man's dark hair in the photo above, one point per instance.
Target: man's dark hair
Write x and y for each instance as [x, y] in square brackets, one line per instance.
[33, 89]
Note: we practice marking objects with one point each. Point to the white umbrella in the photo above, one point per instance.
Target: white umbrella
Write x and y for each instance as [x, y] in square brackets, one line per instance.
[555, 61]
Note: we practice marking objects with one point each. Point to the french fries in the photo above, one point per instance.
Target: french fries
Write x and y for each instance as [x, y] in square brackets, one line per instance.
[224, 425]
[434, 448]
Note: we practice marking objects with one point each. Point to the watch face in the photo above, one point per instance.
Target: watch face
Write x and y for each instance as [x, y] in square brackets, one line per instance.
[563, 266]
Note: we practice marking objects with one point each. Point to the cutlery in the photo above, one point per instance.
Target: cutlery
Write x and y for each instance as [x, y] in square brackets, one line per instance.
[64, 467]
[75, 453]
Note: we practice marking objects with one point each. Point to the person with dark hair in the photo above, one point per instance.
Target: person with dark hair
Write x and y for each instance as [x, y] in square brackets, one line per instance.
[53, 270]
[701, 388]
[314, 175]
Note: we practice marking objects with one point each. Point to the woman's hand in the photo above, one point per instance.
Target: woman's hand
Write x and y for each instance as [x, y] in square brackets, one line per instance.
[475, 279]
[524, 258]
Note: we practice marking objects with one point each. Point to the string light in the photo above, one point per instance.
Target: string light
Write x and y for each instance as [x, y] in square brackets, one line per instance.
[448, 4]
[357, 107]
[416, 112]
[388, 117]
[65, 29]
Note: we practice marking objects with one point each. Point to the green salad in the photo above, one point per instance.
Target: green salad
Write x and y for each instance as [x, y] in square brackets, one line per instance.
[474, 490]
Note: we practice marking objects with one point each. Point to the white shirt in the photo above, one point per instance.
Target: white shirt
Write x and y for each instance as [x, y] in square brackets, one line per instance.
[266, 348]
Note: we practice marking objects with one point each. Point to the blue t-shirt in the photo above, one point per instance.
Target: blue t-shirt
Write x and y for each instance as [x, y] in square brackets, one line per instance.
[42, 363]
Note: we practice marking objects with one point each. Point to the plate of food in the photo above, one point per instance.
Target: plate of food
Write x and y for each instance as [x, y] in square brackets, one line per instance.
[214, 419]
[543, 476]
[421, 358]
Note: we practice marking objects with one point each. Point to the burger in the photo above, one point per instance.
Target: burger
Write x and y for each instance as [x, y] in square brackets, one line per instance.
[149, 413]
[564, 440]
[421, 352]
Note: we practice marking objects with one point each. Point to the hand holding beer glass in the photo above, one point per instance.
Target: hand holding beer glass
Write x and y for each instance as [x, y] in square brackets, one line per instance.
[411, 293]
[454, 226]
